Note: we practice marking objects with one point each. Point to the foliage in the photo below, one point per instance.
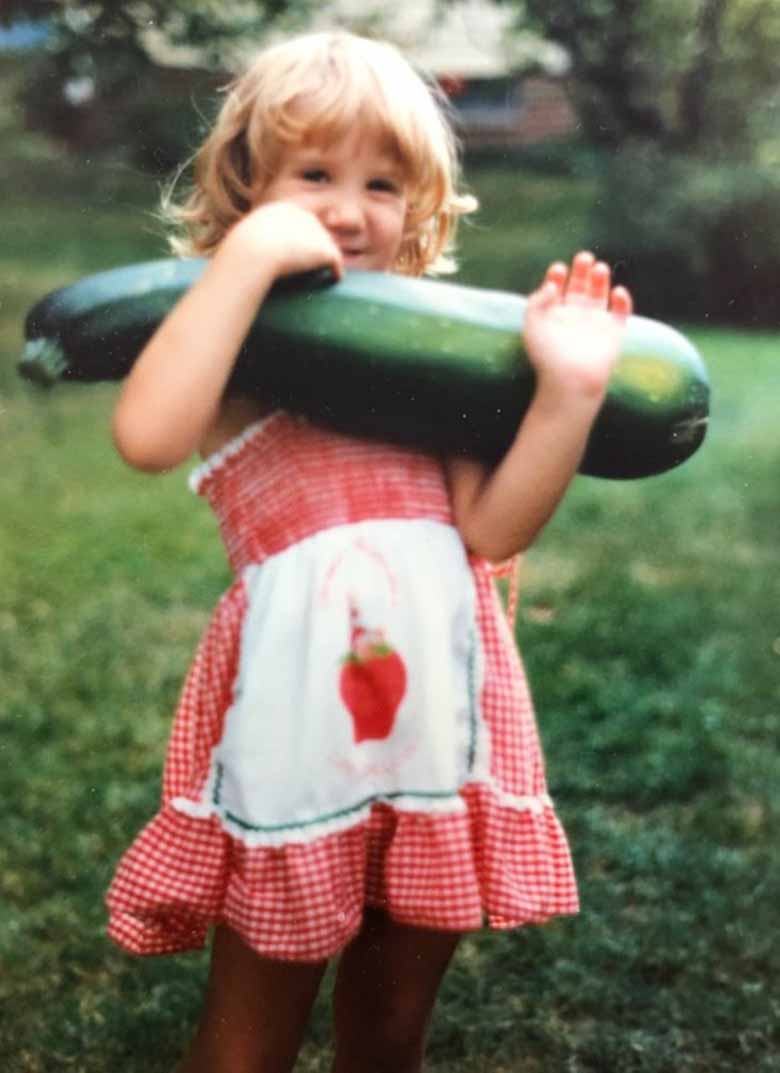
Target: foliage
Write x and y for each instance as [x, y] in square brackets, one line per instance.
[111, 77]
[696, 75]
[693, 239]
[693, 75]
[136, 26]
[683, 100]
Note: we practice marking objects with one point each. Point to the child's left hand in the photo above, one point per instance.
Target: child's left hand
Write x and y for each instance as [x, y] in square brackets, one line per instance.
[573, 328]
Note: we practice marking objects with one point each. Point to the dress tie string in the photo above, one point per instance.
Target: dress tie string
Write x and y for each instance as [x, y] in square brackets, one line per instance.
[509, 569]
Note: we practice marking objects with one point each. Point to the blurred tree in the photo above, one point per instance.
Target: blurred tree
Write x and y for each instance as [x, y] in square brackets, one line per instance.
[122, 74]
[694, 75]
[136, 25]
[684, 98]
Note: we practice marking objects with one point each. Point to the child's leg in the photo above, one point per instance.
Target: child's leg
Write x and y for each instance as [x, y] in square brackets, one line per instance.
[385, 990]
[254, 1013]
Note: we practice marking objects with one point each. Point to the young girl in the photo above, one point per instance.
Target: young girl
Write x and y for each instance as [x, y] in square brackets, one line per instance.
[354, 768]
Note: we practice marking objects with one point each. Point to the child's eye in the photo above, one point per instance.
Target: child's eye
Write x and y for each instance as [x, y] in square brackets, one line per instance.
[315, 175]
[385, 185]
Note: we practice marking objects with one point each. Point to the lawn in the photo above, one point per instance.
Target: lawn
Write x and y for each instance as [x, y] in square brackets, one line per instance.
[648, 622]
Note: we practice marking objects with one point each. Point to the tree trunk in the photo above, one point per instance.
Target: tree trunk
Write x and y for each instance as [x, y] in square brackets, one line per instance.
[695, 91]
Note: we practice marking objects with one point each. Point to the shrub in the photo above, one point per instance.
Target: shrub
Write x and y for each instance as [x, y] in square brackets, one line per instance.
[694, 239]
[153, 119]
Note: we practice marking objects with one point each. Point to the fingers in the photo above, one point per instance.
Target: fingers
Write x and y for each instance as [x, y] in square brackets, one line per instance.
[552, 287]
[620, 302]
[557, 274]
[581, 281]
[587, 282]
[545, 297]
[337, 263]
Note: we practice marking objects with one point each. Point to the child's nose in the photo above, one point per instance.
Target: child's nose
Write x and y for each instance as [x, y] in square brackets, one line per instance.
[343, 211]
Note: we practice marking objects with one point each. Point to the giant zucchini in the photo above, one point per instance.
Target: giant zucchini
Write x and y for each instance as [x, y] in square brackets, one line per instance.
[436, 365]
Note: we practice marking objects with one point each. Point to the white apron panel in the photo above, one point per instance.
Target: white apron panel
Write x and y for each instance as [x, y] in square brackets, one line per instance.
[314, 736]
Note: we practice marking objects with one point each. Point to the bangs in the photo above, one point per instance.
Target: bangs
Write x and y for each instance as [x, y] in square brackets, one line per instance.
[323, 101]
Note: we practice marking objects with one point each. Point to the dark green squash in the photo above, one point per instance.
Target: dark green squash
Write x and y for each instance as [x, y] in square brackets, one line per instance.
[435, 365]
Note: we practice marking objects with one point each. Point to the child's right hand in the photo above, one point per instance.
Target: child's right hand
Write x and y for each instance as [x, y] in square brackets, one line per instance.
[171, 402]
[282, 238]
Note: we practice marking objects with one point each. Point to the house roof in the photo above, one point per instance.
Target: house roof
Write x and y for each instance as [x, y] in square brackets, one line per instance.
[467, 38]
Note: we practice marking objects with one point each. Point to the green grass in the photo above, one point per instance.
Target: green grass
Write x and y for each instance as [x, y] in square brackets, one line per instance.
[525, 221]
[648, 623]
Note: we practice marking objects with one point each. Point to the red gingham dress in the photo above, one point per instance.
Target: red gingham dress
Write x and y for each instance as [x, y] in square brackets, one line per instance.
[481, 846]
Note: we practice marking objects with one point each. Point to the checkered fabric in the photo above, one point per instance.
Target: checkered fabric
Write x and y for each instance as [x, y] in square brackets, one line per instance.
[502, 860]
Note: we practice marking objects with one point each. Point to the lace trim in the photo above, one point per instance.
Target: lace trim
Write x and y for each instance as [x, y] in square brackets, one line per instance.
[312, 830]
[232, 447]
[537, 803]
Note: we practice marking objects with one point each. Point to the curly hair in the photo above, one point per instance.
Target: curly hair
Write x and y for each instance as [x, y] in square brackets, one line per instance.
[317, 87]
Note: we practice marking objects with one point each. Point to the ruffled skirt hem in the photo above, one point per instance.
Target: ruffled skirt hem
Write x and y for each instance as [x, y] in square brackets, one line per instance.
[499, 862]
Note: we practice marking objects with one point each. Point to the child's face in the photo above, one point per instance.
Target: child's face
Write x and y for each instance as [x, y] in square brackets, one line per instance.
[355, 187]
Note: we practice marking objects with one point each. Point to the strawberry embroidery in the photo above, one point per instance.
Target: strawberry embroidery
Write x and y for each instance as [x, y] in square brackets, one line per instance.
[373, 681]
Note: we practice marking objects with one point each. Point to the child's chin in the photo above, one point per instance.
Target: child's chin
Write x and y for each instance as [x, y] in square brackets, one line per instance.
[362, 263]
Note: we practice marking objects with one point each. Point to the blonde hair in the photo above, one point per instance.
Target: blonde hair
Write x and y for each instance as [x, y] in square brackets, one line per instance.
[318, 86]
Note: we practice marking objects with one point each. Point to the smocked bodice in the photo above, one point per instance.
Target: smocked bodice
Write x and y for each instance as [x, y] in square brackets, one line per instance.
[284, 479]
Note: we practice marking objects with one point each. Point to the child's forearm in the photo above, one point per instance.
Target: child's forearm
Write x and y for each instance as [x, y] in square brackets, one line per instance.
[500, 512]
[573, 331]
[173, 392]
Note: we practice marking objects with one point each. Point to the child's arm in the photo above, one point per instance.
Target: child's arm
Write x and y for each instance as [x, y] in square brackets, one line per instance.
[573, 332]
[172, 396]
